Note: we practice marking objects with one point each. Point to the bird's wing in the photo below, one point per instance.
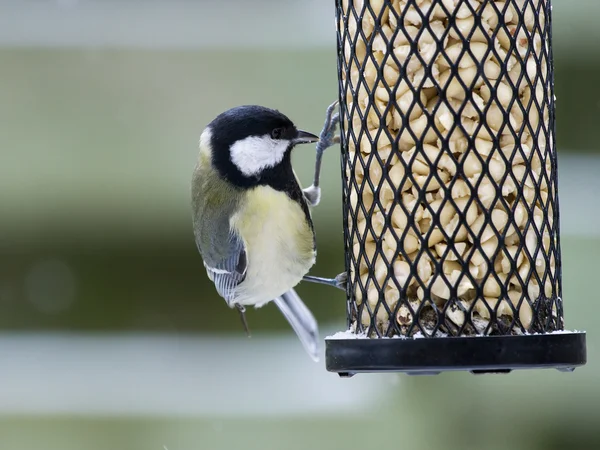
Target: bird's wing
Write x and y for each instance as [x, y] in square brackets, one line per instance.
[228, 269]
[223, 250]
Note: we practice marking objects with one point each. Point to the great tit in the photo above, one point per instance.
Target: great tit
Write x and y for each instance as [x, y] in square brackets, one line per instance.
[251, 218]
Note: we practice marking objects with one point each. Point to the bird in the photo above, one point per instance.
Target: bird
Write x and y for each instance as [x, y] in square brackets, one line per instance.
[251, 218]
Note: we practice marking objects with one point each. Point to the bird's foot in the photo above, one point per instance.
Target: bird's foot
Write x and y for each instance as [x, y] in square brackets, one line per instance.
[327, 137]
[340, 282]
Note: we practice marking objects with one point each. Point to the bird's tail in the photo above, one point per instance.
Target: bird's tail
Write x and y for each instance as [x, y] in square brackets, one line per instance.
[301, 320]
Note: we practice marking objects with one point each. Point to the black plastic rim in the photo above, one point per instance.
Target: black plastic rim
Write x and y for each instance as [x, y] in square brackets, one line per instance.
[478, 354]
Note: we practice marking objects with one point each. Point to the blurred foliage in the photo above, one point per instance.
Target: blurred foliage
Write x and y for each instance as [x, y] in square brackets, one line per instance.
[475, 420]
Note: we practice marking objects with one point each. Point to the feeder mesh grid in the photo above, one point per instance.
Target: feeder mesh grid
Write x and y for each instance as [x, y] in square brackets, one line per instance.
[449, 167]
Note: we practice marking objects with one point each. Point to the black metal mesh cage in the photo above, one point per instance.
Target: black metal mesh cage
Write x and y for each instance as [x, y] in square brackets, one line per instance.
[449, 167]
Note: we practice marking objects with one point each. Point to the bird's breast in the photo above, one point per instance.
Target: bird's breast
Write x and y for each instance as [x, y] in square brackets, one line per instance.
[279, 241]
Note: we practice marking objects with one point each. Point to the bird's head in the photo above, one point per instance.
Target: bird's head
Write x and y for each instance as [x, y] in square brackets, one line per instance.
[246, 142]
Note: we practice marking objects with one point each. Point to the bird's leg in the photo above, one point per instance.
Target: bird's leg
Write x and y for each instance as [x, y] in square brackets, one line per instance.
[327, 138]
[312, 193]
[242, 311]
[339, 282]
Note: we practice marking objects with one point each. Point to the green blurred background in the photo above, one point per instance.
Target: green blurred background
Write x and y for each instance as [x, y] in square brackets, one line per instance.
[111, 335]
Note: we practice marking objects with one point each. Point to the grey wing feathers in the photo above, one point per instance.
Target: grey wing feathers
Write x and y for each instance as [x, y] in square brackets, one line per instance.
[214, 202]
[302, 321]
[230, 270]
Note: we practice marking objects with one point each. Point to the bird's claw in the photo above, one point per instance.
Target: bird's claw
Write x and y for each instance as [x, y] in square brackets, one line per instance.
[341, 281]
[327, 137]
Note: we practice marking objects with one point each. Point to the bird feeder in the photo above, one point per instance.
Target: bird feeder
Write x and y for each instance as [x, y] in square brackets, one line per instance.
[449, 169]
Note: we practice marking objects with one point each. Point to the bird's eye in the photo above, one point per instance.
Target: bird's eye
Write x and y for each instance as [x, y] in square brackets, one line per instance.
[276, 133]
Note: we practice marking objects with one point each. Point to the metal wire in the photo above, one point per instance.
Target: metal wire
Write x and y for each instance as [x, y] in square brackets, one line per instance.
[449, 167]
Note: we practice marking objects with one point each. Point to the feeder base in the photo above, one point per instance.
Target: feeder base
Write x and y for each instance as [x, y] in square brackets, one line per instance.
[476, 354]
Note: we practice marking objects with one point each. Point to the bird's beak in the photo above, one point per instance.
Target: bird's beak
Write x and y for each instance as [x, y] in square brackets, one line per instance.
[304, 137]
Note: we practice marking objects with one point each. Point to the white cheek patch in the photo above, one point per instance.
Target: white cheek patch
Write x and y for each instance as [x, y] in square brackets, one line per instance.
[256, 153]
